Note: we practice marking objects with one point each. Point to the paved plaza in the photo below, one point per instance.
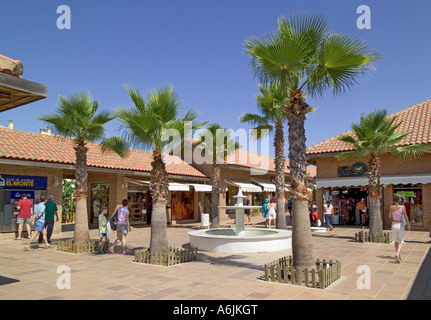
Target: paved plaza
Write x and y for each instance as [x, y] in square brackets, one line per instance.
[213, 276]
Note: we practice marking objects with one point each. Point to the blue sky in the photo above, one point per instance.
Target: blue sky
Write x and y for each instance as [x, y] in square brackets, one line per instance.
[197, 45]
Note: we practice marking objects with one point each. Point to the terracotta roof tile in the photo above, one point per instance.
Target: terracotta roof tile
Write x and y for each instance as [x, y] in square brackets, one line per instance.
[415, 119]
[22, 145]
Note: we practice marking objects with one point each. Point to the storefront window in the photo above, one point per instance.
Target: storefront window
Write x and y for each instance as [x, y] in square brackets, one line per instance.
[99, 198]
[411, 196]
[137, 207]
[182, 205]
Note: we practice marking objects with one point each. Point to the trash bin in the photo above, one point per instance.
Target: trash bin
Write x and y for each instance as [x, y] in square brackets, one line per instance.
[205, 221]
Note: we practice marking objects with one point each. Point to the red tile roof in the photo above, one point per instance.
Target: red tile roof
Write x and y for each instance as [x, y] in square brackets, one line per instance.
[30, 146]
[415, 119]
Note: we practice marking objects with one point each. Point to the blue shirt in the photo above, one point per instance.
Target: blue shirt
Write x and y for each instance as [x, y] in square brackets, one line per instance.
[40, 208]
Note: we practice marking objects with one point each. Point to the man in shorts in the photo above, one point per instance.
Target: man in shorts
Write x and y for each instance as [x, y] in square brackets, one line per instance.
[39, 222]
[25, 212]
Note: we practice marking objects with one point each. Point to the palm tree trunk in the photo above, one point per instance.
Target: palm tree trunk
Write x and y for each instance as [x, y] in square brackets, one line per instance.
[279, 175]
[81, 234]
[302, 241]
[159, 191]
[374, 174]
[215, 182]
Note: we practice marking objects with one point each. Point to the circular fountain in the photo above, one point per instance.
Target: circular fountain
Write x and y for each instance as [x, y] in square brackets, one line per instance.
[240, 239]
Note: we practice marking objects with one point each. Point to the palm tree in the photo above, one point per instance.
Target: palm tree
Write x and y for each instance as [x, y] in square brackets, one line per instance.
[217, 142]
[144, 125]
[78, 117]
[376, 135]
[271, 115]
[305, 57]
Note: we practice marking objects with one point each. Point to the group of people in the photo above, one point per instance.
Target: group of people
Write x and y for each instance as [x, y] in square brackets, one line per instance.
[123, 228]
[328, 213]
[42, 217]
[269, 212]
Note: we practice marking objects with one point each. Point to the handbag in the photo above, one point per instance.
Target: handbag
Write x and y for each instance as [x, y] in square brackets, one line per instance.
[403, 219]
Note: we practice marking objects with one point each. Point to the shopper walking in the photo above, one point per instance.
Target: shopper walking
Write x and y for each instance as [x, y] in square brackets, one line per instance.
[25, 212]
[39, 222]
[123, 227]
[328, 213]
[272, 215]
[50, 210]
[400, 219]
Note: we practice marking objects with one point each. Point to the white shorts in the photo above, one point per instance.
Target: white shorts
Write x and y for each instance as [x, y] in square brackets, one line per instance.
[398, 232]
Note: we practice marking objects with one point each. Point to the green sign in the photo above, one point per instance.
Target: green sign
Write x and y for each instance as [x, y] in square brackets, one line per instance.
[406, 193]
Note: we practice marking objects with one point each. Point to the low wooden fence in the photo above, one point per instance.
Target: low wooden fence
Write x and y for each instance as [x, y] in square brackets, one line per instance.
[169, 258]
[282, 271]
[365, 236]
[71, 247]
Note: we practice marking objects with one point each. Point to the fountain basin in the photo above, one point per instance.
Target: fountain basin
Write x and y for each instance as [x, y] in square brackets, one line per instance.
[251, 240]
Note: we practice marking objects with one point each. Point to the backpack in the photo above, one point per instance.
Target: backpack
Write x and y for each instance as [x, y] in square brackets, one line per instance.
[114, 221]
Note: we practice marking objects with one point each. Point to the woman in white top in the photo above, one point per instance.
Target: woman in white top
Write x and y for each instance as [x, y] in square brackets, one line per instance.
[271, 213]
[328, 212]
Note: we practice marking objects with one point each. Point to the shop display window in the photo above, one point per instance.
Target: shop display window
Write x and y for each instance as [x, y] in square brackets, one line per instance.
[411, 197]
[182, 205]
[99, 198]
[137, 207]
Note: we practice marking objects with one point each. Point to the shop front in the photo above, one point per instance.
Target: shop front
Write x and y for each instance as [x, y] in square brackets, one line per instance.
[12, 188]
[414, 190]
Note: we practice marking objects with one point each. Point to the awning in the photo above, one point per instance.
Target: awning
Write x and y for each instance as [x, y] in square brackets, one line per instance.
[138, 182]
[174, 186]
[202, 187]
[342, 182]
[266, 185]
[245, 186]
[363, 181]
[413, 179]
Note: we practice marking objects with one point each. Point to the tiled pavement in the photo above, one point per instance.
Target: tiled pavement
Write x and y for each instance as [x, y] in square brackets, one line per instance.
[213, 275]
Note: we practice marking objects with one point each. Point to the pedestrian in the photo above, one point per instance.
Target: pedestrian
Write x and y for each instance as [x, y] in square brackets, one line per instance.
[50, 210]
[247, 213]
[289, 206]
[25, 212]
[271, 213]
[123, 226]
[328, 213]
[39, 221]
[360, 207]
[264, 211]
[103, 229]
[314, 217]
[400, 219]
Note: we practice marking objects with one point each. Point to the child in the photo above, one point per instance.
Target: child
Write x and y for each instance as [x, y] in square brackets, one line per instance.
[103, 230]
[314, 217]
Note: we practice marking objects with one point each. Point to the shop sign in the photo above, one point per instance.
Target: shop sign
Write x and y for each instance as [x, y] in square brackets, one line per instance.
[19, 194]
[358, 169]
[22, 182]
[406, 194]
